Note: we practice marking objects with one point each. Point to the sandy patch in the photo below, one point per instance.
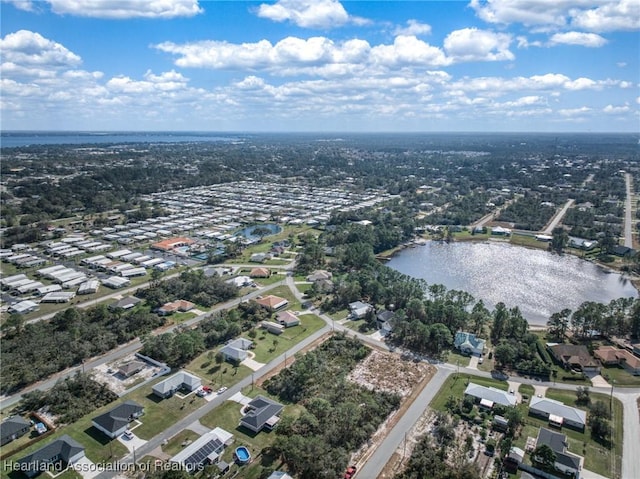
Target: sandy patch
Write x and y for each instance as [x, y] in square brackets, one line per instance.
[382, 371]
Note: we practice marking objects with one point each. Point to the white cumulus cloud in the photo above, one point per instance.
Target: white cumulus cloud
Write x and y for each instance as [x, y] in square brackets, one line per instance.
[413, 27]
[322, 14]
[27, 48]
[471, 44]
[591, 40]
[609, 16]
[121, 9]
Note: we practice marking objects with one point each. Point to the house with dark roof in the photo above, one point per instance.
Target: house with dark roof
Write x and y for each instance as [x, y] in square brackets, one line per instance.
[384, 321]
[12, 428]
[467, 343]
[116, 421]
[566, 461]
[236, 350]
[573, 356]
[56, 455]
[130, 368]
[179, 381]
[261, 412]
[558, 413]
[125, 303]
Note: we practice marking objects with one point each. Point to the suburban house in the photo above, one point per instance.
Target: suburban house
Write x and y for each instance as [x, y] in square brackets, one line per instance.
[467, 343]
[358, 309]
[179, 305]
[566, 461]
[384, 321]
[130, 368]
[610, 355]
[272, 302]
[287, 319]
[205, 450]
[273, 328]
[125, 303]
[12, 428]
[240, 281]
[116, 421]
[181, 380]
[319, 275]
[573, 356]
[236, 350]
[500, 231]
[258, 257]
[279, 475]
[260, 273]
[63, 451]
[488, 396]
[558, 413]
[261, 412]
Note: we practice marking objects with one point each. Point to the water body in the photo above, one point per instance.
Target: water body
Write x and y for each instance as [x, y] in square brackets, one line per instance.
[538, 282]
[248, 231]
[17, 138]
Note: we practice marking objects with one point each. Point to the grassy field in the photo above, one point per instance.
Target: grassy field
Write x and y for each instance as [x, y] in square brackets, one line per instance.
[269, 346]
[461, 360]
[526, 390]
[528, 241]
[179, 441]
[621, 377]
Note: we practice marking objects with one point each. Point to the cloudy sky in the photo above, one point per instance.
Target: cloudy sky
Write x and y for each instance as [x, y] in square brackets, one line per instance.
[320, 65]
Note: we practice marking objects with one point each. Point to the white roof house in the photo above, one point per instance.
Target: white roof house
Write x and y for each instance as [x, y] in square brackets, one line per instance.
[57, 297]
[557, 411]
[468, 343]
[180, 380]
[490, 394]
[23, 307]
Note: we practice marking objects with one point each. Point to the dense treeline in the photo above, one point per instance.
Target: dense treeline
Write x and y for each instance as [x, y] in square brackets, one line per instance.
[191, 285]
[34, 351]
[179, 347]
[69, 399]
[339, 416]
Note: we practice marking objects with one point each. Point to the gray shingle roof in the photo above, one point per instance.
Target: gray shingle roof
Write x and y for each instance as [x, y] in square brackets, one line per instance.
[119, 416]
[12, 425]
[62, 448]
[492, 394]
[261, 410]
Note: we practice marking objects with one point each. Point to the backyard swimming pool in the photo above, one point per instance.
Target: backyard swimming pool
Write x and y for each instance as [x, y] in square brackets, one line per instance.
[242, 455]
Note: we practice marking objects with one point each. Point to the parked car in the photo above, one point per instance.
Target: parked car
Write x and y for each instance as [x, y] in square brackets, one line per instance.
[350, 472]
[207, 389]
[222, 389]
[128, 434]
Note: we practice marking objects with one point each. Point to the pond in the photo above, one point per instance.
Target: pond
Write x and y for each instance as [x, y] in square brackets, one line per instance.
[247, 232]
[538, 282]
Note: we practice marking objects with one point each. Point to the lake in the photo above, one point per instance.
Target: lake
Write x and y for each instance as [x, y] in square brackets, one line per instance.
[538, 282]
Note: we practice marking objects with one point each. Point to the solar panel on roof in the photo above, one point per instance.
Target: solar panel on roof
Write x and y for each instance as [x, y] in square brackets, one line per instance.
[195, 460]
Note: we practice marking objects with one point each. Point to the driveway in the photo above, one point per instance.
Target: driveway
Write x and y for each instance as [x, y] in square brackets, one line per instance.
[86, 468]
[600, 382]
[473, 362]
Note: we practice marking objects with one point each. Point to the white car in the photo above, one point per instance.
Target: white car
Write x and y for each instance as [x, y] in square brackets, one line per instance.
[222, 389]
[127, 434]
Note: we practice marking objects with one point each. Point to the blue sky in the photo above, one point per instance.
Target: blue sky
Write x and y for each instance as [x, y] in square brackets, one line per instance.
[321, 65]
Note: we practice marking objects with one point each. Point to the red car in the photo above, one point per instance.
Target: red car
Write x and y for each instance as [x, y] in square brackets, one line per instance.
[350, 472]
[207, 389]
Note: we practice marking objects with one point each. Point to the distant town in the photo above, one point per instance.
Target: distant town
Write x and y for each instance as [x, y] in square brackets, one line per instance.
[314, 306]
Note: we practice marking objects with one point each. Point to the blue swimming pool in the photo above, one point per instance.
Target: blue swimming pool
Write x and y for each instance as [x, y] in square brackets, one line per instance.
[243, 455]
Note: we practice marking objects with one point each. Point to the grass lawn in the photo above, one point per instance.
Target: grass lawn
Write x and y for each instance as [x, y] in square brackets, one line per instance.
[274, 278]
[177, 318]
[272, 346]
[528, 241]
[621, 377]
[455, 358]
[526, 390]
[339, 315]
[467, 236]
[284, 292]
[455, 386]
[179, 441]
[216, 375]
[304, 287]
[159, 414]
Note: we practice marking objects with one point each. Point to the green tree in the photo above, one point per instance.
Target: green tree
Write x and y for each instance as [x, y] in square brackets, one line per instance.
[544, 456]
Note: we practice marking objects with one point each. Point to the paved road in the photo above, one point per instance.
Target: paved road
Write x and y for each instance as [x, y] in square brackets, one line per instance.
[558, 217]
[128, 348]
[631, 433]
[628, 223]
[374, 466]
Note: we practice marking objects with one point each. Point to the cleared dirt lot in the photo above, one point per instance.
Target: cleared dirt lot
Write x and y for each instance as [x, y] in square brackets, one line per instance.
[108, 374]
